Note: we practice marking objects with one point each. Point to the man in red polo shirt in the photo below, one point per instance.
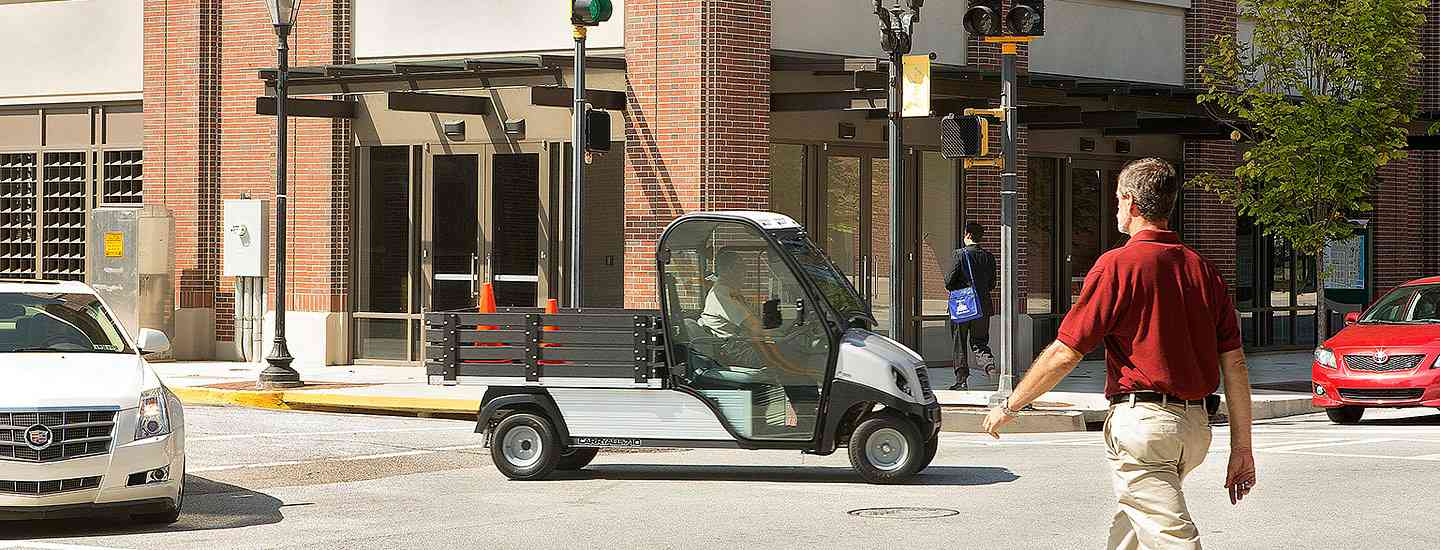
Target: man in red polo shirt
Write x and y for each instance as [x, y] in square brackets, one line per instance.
[1169, 328]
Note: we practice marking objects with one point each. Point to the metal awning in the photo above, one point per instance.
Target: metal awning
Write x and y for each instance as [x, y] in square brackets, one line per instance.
[420, 76]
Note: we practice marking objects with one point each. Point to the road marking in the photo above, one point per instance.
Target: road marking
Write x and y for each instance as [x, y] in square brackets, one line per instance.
[1318, 445]
[305, 434]
[383, 455]
[1427, 458]
[460, 448]
[255, 465]
[30, 545]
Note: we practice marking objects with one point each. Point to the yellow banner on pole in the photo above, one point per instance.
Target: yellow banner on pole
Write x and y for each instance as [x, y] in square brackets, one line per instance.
[915, 86]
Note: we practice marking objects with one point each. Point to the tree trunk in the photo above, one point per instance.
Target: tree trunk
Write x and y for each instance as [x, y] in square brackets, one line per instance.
[1322, 314]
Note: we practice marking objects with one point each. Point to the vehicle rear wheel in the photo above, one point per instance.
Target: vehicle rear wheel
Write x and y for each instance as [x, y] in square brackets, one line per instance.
[1345, 415]
[886, 448]
[576, 458]
[525, 447]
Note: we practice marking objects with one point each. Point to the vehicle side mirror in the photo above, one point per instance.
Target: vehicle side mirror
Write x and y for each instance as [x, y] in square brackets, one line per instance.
[153, 341]
[1352, 318]
[771, 317]
[799, 312]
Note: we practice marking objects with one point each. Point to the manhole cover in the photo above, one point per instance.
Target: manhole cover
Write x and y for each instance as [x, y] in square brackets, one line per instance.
[904, 513]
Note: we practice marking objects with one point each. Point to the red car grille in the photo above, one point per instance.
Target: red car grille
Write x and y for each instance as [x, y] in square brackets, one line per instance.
[1394, 363]
[1406, 394]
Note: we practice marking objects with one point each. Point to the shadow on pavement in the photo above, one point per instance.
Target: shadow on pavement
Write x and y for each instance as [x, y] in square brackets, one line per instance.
[209, 505]
[1427, 420]
[934, 475]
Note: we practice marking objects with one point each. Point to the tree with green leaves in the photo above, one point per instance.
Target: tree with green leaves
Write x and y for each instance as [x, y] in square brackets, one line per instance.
[1320, 100]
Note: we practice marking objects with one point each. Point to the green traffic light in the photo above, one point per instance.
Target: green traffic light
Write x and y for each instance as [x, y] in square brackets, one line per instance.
[591, 12]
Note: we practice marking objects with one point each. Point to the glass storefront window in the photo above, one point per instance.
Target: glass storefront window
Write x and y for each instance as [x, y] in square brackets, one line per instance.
[1040, 235]
[1086, 214]
[382, 339]
[787, 180]
[383, 234]
[939, 213]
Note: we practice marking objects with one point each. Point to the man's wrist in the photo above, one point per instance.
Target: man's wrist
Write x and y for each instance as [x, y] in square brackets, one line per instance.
[1006, 410]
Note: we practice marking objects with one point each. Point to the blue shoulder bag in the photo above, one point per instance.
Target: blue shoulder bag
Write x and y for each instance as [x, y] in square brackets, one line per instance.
[964, 303]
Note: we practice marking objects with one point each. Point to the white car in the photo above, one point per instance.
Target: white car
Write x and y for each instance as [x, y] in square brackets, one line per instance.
[86, 427]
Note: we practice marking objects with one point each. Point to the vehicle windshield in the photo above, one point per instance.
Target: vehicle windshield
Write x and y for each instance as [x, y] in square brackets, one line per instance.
[827, 277]
[1406, 306]
[44, 322]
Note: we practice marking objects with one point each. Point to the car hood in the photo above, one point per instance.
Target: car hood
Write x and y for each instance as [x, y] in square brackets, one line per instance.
[41, 380]
[1386, 336]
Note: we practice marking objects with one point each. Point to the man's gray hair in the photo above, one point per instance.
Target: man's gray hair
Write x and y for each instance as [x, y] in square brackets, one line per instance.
[1152, 184]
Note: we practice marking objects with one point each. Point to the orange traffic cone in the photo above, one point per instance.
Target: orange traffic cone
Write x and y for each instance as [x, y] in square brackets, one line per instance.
[552, 307]
[487, 303]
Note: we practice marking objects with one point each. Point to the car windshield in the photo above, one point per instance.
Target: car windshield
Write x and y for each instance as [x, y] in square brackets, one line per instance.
[44, 322]
[1406, 306]
[818, 267]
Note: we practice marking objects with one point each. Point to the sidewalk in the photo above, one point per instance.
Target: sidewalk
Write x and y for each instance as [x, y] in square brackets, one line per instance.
[1281, 383]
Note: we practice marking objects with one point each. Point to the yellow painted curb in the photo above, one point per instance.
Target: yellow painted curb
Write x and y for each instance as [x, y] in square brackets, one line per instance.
[307, 399]
[212, 396]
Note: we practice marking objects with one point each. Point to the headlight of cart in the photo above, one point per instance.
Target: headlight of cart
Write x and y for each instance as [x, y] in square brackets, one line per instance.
[153, 419]
[901, 381]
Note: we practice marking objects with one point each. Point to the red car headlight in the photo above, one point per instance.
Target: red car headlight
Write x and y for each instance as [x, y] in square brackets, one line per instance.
[1325, 358]
[1436, 364]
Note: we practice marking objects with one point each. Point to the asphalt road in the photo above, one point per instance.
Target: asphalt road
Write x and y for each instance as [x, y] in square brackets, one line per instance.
[263, 479]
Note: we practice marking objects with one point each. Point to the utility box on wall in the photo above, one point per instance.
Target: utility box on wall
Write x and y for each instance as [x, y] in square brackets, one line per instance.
[247, 238]
[115, 261]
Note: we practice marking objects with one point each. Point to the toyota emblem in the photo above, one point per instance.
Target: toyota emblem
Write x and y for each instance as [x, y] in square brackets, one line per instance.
[39, 437]
[1381, 356]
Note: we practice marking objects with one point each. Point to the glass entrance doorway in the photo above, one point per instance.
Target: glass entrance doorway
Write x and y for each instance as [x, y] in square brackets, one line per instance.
[484, 224]
[855, 213]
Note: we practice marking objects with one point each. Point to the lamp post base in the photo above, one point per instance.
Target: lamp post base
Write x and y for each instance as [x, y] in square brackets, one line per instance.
[279, 375]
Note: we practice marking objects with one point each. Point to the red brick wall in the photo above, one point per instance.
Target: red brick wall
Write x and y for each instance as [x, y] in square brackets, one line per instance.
[697, 125]
[1399, 255]
[1428, 172]
[1429, 72]
[982, 204]
[207, 144]
[1204, 21]
[1209, 222]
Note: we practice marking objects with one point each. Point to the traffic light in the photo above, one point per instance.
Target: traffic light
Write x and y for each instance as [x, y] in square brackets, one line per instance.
[590, 12]
[597, 131]
[964, 136]
[983, 18]
[1026, 18]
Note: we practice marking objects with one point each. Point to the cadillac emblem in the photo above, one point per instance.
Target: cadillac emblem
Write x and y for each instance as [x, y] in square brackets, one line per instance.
[39, 437]
[1381, 357]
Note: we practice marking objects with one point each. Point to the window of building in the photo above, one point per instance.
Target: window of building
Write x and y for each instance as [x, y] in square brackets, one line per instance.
[1274, 290]
[383, 256]
[45, 198]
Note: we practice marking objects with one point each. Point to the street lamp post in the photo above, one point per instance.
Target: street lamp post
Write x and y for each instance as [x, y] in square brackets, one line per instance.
[897, 26]
[279, 373]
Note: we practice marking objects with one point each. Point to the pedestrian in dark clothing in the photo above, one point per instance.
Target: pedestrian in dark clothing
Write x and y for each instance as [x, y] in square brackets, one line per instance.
[973, 336]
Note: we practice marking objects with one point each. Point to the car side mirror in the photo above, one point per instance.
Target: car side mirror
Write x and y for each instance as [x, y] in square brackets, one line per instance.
[1352, 318]
[799, 312]
[153, 341]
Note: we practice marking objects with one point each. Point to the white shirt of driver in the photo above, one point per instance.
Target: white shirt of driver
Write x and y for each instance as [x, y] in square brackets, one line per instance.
[724, 314]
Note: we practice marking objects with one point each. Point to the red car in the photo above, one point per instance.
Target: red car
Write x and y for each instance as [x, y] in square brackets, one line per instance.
[1387, 356]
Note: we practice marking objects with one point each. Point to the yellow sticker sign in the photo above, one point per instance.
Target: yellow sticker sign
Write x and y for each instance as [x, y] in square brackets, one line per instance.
[114, 244]
[915, 86]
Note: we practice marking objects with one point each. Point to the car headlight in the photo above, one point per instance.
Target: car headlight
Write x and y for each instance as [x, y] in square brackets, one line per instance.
[1325, 358]
[153, 418]
[900, 380]
[1436, 364]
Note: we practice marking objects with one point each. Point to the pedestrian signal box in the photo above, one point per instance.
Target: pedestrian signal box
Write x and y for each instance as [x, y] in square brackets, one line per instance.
[964, 136]
[597, 131]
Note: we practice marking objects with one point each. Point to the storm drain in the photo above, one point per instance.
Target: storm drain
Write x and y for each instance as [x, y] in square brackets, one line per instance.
[904, 513]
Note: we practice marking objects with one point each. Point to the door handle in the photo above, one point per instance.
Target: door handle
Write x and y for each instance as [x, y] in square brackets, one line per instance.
[474, 273]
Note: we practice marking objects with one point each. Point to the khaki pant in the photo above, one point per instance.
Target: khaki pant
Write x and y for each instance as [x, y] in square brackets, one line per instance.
[1152, 447]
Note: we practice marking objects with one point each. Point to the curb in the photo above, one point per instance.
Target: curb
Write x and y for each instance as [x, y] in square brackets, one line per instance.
[970, 419]
[318, 401]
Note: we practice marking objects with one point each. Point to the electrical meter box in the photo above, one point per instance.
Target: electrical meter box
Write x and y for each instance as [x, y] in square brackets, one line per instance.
[247, 237]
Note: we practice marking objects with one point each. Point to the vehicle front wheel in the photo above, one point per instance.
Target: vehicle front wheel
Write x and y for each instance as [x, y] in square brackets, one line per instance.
[525, 447]
[576, 458]
[1345, 415]
[887, 448]
[931, 447]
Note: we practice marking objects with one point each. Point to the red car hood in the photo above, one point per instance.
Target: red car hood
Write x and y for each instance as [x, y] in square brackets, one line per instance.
[1387, 336]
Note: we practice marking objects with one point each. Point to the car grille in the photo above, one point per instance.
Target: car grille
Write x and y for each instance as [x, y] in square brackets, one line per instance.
[76, 434]
[1396, 363]
[923, 373]
[48, 487]
[1406, 394]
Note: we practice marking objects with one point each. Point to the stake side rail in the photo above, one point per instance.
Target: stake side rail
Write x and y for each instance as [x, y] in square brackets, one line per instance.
[523, 346]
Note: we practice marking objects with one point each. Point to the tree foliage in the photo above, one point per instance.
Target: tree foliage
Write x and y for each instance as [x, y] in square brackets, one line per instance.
[1322, 98]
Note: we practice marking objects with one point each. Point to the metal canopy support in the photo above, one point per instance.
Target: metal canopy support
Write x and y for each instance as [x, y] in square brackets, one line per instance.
[317, 108]
[557, 96]
[439, 103]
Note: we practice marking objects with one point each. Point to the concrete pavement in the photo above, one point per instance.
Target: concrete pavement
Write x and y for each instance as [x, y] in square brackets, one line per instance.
[1077, 404]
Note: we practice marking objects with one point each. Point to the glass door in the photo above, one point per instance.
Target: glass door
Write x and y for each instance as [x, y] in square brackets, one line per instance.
[518, 253]
[856, 217]
[451, 252]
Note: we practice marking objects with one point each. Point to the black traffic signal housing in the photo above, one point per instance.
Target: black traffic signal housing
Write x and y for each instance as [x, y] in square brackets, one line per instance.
[964, 136]
[590, 13]
[983, 18]
[1025, 18]
[597, 131]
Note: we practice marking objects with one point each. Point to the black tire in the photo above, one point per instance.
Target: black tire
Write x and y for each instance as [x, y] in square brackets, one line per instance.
[1345, 415]
[931, 447]
[876, 450]
[525, 447]
[576, 458]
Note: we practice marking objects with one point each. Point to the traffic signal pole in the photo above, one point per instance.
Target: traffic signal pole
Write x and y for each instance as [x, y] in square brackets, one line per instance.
[897, 182]
[1008, 195]
[577, 166]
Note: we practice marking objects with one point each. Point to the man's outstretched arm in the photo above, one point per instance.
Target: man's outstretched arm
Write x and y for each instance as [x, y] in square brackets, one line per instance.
[1240, 478]
[1046, 372]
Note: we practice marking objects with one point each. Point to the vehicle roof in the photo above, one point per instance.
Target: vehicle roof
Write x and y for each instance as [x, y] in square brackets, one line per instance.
[767, 220]
[1424, 281]
[26, 285]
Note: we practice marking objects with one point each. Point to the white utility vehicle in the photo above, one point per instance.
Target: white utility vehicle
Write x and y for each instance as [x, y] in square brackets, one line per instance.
[86, 427]
[760, 343]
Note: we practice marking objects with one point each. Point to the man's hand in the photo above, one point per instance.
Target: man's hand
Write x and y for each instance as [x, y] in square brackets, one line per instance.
[1241, 477]
[995, 420]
